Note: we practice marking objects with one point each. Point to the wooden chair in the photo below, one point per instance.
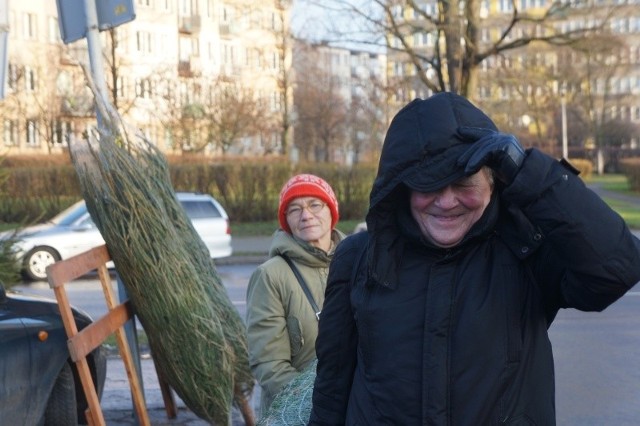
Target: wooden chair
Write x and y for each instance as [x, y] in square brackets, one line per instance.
[81, 343]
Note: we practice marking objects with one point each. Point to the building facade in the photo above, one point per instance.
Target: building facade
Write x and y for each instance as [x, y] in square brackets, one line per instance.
[340, 101]
[181, 72]
[564, 88]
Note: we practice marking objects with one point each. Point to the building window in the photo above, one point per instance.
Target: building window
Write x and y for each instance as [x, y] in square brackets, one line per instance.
[195, 47]
[53, 30]
[505, 6]
[275, 102]
[29, 79]
[185, 7]
[29, 26]
[143, 88]
[228, 54]
[61, 132]
[10, 133]
[12, 76]
[143, 42]
[121, 87]
[32, 133]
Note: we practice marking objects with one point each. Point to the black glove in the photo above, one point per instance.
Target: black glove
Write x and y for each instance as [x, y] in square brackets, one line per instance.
[499, 151]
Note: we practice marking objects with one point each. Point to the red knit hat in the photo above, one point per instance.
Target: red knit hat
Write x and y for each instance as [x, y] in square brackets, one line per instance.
[306, 185]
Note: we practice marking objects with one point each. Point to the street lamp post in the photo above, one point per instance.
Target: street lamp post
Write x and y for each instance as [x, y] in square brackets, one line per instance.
[563, 104]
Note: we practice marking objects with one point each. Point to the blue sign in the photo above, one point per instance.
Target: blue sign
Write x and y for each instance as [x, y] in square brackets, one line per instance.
[72, 16]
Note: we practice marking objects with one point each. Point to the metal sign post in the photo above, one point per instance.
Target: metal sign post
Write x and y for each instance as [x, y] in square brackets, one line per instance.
[87, 21]
[4, 47]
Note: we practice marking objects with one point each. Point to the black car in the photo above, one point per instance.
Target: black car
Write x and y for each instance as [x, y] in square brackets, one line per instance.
[38, 381]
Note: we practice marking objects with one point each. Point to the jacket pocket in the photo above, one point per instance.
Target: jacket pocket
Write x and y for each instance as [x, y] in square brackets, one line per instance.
[296, 339]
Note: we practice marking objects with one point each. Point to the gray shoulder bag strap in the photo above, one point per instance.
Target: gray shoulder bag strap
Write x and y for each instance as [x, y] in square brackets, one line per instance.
[303, 284]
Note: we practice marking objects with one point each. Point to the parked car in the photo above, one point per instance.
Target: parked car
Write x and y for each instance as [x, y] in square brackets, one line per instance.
[72, 232]
[360, 227]
[38, 381]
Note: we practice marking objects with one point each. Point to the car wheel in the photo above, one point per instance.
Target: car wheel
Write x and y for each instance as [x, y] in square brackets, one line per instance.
[37, 260]
[61, 407]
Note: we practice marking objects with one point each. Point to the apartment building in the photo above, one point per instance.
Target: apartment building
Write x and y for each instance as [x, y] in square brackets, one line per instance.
[589, 86]
[340, 102]
[179, 72]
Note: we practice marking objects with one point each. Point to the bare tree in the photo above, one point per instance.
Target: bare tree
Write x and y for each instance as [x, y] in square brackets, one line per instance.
[452, 33]
[234, 113]
[114, 67]
[62, 102]
[43, 103]
[367, 118]
[13, 109]
[283, 45]
[600, 64]
[322, 111]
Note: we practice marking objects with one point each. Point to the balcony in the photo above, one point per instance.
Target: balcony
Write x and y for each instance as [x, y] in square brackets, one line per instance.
[77, 106]
[226, 29]
[190, 24]
[191, 67]
[184, 69]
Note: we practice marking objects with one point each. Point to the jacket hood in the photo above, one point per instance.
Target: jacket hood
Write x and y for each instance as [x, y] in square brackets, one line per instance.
[422, 144]
[420, 152]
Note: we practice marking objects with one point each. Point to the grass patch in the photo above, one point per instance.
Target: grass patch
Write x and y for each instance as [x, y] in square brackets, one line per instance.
[7, 226]
[618, 183]
[612, 182]
[629, 212]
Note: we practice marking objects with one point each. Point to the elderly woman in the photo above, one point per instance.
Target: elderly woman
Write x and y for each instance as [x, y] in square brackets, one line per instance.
[284, 299]
[438, 314]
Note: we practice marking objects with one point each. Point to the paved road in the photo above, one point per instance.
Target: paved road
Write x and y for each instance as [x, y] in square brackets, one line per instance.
[116, 401]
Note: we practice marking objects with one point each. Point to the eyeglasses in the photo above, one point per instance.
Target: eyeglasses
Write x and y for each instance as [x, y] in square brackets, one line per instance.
[295, 210]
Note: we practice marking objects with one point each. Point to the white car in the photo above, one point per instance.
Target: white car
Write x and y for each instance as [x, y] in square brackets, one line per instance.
[72, 232]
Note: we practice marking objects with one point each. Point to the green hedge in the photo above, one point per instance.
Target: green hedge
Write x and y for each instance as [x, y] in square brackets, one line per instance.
[248, 190]
[631, 169]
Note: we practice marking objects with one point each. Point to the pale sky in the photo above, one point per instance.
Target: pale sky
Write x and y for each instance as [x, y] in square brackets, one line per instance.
[312, 22]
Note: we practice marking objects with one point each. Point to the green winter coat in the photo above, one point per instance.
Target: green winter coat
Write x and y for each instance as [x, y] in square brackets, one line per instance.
[281, 324]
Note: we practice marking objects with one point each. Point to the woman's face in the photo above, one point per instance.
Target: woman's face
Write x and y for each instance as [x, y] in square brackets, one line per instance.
[310, 220]
[445, 216]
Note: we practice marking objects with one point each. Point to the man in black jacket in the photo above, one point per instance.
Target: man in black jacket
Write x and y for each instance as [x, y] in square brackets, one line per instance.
[439, 313]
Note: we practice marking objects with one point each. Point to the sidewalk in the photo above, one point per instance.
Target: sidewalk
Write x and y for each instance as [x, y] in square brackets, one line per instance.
[247, 250]
[117, 405]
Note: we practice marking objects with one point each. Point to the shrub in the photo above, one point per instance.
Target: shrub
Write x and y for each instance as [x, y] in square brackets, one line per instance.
[248, 189]
[9, 268]
[584, 166]
[631, 169]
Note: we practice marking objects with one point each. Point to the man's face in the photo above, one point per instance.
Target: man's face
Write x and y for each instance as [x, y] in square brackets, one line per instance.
[445, 216]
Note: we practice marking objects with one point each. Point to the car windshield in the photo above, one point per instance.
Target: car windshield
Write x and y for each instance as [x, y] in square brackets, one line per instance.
[70, 215]
[200, 210]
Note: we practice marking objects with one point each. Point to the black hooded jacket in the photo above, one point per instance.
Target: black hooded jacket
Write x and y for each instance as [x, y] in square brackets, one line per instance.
[413, 334]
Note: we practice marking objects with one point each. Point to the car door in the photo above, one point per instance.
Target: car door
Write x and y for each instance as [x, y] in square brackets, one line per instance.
[15, 362]
[84, 235]
[210, 224]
